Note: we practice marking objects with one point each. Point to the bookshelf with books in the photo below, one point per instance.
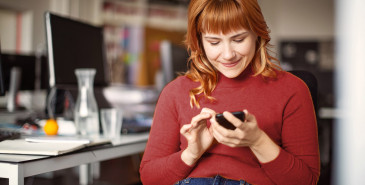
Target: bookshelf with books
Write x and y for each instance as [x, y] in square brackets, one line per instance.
[133, 30]
[128, 56]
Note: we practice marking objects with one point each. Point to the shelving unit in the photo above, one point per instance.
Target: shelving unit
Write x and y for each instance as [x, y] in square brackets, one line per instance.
[132, 49]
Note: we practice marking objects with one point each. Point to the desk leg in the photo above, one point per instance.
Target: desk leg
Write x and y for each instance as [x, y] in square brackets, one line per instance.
[95, 167]
[16, 178]
[85, 174]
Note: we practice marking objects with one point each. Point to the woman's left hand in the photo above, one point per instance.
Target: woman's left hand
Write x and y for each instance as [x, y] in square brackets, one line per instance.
[247, 133]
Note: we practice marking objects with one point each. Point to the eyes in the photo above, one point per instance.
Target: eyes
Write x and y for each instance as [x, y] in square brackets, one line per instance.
[235, 37]
[214, 43]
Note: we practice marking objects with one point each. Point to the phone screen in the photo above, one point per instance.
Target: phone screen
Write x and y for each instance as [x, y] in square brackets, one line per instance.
[225, 123]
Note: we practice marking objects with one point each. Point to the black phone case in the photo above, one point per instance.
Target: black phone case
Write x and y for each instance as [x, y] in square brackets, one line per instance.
[225, 123]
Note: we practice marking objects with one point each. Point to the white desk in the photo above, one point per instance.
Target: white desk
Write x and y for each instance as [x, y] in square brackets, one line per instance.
[330, 113]
[17, 167]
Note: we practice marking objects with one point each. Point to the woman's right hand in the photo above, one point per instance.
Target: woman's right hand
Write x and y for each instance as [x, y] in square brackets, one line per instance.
[198, 135]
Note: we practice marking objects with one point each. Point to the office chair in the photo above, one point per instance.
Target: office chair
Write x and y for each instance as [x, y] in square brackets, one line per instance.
[323, 139]
[312, 83]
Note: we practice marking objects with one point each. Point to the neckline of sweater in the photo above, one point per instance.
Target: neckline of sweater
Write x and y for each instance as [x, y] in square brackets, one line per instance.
[238, 81]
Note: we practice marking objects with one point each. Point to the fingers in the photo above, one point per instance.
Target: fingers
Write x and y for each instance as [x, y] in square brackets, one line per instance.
[200, 118]
[230, 118]
[209, 111]
[233, 119]
[249, 117]
[241, 136]
[197, 120]
[219, 132]
[226, 137]
[185, 128]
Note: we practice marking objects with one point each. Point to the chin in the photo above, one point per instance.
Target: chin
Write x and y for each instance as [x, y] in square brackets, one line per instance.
[232, 74]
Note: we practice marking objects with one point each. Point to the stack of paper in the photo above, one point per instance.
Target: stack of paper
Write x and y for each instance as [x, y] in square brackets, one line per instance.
[21, 146]
[46, 145]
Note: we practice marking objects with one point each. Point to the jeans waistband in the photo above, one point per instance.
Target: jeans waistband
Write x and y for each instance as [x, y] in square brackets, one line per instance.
[217, 180]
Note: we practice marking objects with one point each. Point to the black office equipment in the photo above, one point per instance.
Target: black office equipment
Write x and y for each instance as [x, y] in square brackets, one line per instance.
[311, 82]
[132, 127]
[73, 44]
[301, 55]
[22, 72]
[26, 66]
[6, 134]
[2, 89]
[174, 60]
[30, 75]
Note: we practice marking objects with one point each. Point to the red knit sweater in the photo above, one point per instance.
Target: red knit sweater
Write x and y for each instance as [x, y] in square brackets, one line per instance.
[283, 108]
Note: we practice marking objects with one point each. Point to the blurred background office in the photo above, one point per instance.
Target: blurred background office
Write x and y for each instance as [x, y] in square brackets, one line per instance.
[303, 38]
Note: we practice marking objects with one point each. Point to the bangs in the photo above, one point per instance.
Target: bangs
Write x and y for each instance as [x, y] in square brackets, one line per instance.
[222, 17]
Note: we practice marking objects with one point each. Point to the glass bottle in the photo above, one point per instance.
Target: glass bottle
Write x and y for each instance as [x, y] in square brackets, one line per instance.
[86, 109]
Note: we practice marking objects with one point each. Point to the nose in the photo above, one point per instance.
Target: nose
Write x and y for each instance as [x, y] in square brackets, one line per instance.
[228, 52]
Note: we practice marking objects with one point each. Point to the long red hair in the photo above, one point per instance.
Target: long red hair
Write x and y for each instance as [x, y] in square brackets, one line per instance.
[224, 16]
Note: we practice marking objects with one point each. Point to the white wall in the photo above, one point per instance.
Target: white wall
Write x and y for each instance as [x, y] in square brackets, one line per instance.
[33, 11]
[7, 30]
[299, 19]
[349, 145]
[287, 19]
[33, 34]
[26, 33]
[85, 10]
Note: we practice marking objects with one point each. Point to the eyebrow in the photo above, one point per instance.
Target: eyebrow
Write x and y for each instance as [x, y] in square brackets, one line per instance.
[234, 36]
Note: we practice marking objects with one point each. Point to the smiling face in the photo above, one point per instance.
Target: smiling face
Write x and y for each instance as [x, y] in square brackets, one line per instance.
[230, 53]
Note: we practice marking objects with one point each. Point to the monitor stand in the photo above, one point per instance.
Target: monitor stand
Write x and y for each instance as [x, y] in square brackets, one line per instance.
[15, 76]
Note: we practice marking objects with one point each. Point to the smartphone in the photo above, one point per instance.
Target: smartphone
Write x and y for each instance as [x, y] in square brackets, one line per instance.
[225, 123]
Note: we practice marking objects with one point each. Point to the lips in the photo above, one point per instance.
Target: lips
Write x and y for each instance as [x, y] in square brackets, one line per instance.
[230, 64]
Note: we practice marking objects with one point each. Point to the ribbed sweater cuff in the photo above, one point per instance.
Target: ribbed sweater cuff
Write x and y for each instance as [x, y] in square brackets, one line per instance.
[183, 169]
[283, 159]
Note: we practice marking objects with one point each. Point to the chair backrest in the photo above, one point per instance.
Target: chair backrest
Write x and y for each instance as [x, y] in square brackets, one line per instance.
[311, 82]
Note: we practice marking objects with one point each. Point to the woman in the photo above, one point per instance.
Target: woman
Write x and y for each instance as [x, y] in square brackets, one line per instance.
[231, 70]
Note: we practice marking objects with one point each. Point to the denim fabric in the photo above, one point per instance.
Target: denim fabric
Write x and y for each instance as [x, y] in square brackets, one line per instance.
[217, 180]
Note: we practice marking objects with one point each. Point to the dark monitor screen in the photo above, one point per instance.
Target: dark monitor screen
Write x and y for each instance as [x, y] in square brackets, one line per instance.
[174, 60]
[73, 44]
[30, 76]
[2, 90]
[26, 66]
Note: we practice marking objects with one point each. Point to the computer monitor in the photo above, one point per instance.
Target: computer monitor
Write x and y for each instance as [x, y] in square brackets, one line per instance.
[174, 60]
[26, 66]
[2, 90]
[73, 44]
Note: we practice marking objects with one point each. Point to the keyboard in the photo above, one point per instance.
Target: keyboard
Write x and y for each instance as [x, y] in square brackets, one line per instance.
[6, 134]
[133, 128]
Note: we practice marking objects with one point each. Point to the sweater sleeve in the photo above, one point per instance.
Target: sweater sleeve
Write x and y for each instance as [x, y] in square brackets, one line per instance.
[161, 162]
[298, 161]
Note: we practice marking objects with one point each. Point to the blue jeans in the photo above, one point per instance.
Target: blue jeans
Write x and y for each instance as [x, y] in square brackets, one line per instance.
[217, 180]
